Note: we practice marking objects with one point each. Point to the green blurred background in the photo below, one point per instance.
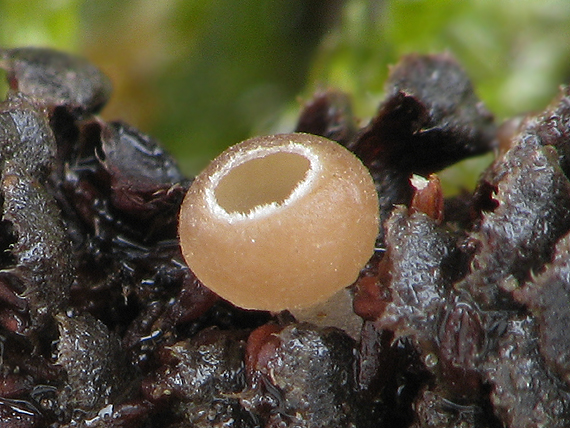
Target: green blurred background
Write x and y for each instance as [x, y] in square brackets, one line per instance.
[201, 75]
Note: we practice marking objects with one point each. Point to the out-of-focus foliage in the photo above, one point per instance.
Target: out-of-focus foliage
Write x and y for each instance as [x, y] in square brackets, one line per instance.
[31, 22]
[207, 72]
[515, 51]
[201, 75]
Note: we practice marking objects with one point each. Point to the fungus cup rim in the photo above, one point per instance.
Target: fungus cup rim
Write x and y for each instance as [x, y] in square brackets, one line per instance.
[239, 156]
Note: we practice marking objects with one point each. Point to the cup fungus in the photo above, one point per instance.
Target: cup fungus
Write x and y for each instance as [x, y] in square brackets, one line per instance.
[280, 222]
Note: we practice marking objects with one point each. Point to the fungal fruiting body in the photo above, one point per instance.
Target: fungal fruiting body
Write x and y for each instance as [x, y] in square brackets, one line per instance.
[280, 222]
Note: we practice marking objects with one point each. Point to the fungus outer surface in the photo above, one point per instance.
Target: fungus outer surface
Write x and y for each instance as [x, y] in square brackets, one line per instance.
[280, 222]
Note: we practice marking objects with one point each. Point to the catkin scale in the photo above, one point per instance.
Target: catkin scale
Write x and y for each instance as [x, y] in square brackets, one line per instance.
[280, 222]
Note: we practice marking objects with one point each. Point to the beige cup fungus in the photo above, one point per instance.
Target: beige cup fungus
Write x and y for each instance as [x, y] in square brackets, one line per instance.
[280, 222]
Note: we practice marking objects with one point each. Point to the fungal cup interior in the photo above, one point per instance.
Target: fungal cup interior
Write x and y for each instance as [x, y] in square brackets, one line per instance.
[261, 182]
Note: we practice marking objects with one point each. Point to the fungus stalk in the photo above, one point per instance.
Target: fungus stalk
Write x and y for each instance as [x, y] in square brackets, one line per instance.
[280, 222]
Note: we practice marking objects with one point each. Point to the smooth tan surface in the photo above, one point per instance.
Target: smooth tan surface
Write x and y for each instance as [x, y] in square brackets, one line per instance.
[280, 222]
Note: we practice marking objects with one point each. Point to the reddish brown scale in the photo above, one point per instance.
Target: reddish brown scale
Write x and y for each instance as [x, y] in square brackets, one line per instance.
[139, 339]
[328, 114]
[9, 296]
[430, 119]
[417, 250]
[56, 78]
[261, 344]
[202, 374]
[532, 197]
[370, 298]
[25, 135]
[12, 386]
[371, 292]
[89, 354]
[372, 342]
[19, 357]
[302, 364]
[42, 252]
[148, 185]
[547, 295]
[524, 392]
[552, 126]
[13, 321]
[428, 197]
[192, 301]
[461, 342]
